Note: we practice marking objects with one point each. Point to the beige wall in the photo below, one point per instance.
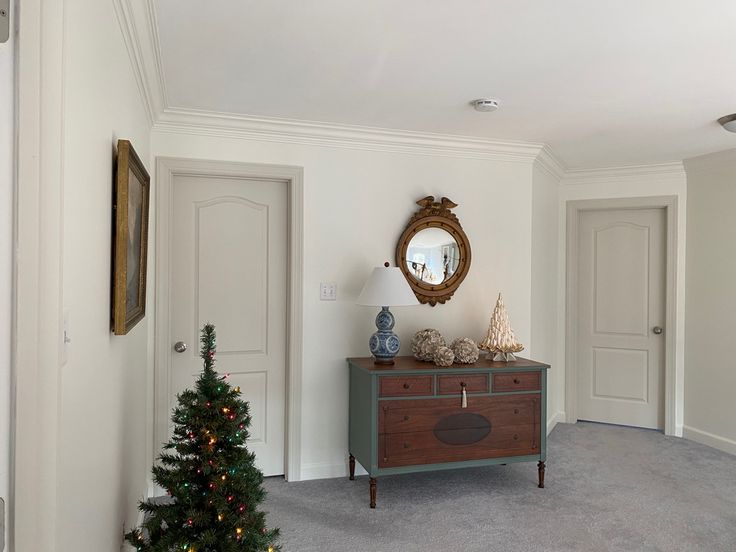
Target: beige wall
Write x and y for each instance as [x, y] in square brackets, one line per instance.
[710, 377]
[82, 459]
[104, 391]
[356, 205]
[545, 190]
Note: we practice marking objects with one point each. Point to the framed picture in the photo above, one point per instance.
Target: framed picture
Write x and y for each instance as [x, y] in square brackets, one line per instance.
[130, 246]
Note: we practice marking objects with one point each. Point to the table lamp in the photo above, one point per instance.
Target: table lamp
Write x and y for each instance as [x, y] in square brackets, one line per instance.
[386, 287]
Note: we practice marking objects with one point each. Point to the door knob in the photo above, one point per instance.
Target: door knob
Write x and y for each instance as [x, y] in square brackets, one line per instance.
[657, 330]
[180, 346]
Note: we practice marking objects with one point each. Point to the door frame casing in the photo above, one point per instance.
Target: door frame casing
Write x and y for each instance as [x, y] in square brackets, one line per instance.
[673, 401]
[166, 169]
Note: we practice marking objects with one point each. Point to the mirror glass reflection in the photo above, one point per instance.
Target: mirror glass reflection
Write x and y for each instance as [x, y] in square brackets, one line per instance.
[432, 256]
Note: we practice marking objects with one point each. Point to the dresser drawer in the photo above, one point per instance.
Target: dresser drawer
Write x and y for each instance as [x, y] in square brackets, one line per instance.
[517, 381]
[405, 386]
[434, 447]
[427, 414]
[453, 384]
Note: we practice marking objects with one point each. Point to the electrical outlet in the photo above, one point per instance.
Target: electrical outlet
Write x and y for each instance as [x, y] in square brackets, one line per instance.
[328, 291]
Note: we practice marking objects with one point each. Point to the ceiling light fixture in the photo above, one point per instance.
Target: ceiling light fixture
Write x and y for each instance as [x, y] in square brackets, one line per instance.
[485, 104]
[728, 122]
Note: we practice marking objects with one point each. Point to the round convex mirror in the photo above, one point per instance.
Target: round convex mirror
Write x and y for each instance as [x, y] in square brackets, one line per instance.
[433, 252]
[432, 256]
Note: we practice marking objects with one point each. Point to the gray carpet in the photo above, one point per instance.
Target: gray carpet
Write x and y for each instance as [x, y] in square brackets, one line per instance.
[608, 488]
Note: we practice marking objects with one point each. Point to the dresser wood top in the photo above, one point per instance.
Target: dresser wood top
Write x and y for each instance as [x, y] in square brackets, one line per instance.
[410, 364]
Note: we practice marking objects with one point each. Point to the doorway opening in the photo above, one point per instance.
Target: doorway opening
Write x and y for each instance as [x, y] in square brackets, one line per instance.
[620, 342]
[271, 196]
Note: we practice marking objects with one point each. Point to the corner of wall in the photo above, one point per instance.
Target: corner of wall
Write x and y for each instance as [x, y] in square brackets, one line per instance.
[547, 172]
[710, 301]
[557, 418]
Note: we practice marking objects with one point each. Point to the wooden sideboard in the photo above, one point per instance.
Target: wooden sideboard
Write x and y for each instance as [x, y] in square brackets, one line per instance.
[413, 416]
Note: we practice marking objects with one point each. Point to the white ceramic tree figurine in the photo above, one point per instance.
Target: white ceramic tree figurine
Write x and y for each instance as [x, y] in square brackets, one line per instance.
[500, 342]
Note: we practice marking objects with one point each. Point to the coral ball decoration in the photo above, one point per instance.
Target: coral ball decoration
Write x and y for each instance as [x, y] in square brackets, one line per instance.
[425, 343]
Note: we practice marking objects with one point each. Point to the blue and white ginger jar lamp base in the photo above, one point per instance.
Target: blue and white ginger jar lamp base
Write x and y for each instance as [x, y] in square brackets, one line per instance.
[384, 344]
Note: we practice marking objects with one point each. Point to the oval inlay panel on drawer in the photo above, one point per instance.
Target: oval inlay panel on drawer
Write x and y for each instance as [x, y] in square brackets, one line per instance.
[462, 429]
[405, 386]
[453, 384]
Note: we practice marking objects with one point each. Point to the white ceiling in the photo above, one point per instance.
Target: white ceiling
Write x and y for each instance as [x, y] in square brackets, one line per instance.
[603, 83]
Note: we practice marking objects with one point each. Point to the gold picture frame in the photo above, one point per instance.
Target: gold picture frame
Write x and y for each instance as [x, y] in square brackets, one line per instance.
[130, 241]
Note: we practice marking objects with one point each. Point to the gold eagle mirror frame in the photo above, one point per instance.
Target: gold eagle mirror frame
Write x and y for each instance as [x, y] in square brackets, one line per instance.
[432, 219]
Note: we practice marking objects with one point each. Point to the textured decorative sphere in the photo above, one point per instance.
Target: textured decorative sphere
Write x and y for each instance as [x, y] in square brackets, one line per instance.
[424, 344]
[465, 349]
[443, 356]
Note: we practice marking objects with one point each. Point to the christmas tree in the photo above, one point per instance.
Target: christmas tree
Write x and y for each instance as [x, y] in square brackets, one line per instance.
[214, 485]
[500, 341]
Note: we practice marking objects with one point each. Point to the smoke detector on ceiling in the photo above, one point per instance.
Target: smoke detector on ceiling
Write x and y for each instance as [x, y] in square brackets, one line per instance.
[485, 104]
[728, 122]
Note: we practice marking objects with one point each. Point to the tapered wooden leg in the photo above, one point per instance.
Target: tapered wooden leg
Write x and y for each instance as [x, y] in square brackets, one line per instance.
[540, 467]
[373, 492]
[352, 468]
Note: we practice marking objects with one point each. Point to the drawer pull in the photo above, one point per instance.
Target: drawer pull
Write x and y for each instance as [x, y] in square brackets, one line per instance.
[516, 436]
[527, 381]
[453, 384]
[405, 386]
[464, 400]
[406, 445]
[406, 418]
[516, 410]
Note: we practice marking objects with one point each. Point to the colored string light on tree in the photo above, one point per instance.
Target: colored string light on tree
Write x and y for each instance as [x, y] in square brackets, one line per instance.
[205, 467]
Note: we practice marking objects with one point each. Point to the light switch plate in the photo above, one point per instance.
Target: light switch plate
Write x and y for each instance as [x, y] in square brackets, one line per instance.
[4, 20]
[328, 291]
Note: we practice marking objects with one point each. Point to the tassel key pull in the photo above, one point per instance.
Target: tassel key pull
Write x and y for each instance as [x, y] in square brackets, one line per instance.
[464, 401]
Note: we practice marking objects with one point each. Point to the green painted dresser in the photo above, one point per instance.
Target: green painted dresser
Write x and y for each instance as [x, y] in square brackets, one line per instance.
[413, 416]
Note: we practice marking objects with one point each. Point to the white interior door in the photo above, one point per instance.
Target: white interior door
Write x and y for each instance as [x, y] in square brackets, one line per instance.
[621, 313]
[228, 249]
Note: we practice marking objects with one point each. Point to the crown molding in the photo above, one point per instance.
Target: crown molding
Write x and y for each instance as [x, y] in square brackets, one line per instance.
[138, 24]
[272, 129]
[550, 163]
[151, 26]
[718, 162]
[674, 171]
[137, 20]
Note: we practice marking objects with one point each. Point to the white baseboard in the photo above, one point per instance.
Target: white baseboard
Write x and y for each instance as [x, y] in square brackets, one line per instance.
[705, 438]
[555, 419]
[329, 471]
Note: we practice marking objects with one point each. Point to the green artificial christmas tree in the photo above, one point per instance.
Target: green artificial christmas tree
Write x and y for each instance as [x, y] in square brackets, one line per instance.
[215, 487]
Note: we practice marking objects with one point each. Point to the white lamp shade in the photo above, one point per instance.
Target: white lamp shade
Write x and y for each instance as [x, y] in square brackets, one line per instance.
[387, 287]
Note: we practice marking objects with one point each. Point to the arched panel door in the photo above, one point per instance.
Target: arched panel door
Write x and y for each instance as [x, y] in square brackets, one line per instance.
[228, 266]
